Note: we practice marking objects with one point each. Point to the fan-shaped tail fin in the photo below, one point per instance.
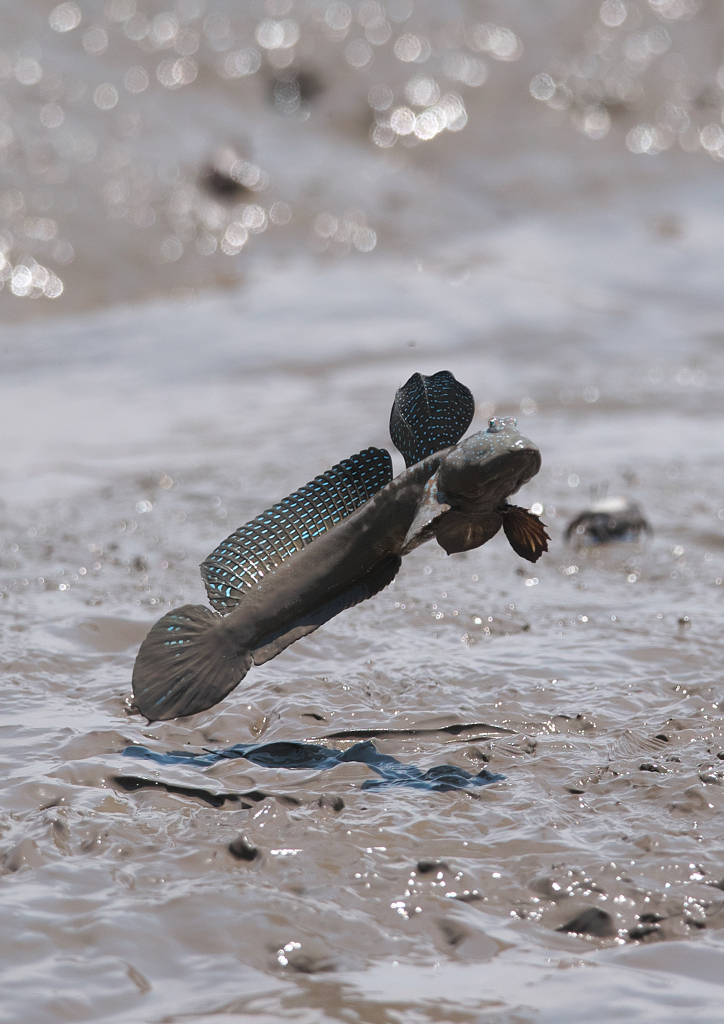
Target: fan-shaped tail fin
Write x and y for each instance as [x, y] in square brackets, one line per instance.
[186, 665]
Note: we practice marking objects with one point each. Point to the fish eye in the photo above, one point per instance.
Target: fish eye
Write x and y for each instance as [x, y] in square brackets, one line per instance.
[498, 423]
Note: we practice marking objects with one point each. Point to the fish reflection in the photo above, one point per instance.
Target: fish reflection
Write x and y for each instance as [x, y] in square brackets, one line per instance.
[305, 757]
[340, 540]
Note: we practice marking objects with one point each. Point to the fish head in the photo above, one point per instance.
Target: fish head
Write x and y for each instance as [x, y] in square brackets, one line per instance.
[478, 474]
[475, 479]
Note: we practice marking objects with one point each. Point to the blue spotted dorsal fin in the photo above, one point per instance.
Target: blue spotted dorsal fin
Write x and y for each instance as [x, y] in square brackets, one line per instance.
[258, 547]
[429, 414]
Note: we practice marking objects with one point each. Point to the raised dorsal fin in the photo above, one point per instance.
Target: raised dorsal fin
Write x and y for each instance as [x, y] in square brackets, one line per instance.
[429, 414]
[258, 547]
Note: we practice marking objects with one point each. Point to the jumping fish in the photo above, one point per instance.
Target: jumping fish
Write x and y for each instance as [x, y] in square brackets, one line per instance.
[338, 541]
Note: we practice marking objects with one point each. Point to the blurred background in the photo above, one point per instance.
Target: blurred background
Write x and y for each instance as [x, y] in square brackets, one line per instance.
[151, 148]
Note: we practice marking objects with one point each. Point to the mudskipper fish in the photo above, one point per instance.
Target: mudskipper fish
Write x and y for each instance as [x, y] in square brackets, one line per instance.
[338, 541]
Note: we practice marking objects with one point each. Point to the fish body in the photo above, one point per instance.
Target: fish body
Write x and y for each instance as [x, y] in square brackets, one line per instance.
[290, 570]
[370, 543]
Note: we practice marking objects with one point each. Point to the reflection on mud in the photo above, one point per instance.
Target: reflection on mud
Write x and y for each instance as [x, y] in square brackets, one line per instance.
[130, 783]
[286, 754]
[479, 729]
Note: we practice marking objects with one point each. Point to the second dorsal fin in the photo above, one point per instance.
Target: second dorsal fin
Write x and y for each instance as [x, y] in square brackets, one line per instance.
[258, 547]
[429, 414]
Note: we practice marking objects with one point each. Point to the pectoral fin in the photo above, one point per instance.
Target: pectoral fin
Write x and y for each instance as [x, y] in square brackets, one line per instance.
[525, 532]
[429, 509]
[458, 532]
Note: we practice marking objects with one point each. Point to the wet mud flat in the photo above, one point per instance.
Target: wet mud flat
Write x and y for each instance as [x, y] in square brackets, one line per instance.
[583, 878]
[549, 228]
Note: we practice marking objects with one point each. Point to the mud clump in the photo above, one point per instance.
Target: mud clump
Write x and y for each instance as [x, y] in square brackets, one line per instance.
[242, 849]
[592, 921]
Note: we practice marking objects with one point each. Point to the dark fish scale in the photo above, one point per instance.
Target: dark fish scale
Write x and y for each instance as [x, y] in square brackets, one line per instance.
[346, 490]
[429, 414]
[258, 547]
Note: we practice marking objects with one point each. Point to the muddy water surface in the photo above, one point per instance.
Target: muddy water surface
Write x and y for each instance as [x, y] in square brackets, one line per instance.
[590, 681]
[528, 195]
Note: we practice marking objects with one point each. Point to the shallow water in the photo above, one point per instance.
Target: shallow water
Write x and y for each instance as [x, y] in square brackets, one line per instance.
[582, 295]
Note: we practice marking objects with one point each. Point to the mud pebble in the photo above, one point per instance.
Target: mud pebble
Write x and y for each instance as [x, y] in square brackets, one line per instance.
[336, 803]
[242, 849]
[293, 90]
[303, 964]
[469, 897]
[453, 932]
[642, 931]
[648, 766]
[221, 185]
[591, 921]
[427, 865]
[548, 887]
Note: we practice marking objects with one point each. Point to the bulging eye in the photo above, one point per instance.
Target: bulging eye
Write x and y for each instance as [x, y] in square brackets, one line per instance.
[498, 423]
